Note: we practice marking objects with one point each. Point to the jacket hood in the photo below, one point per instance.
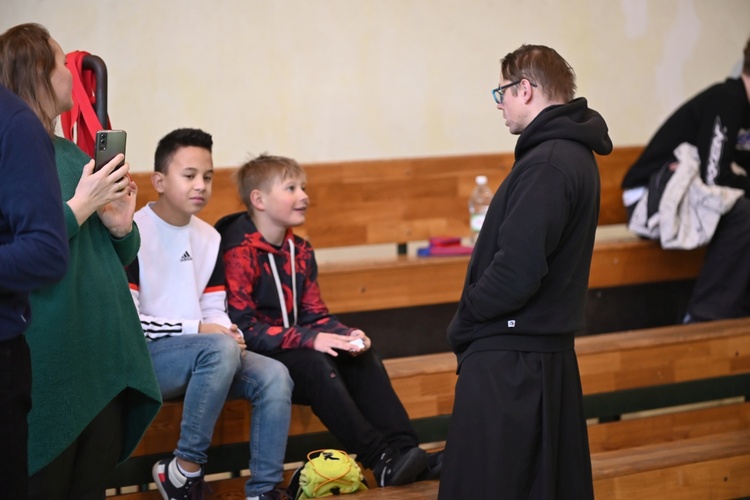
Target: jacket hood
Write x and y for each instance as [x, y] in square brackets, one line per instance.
[574, 121]
[239, 228]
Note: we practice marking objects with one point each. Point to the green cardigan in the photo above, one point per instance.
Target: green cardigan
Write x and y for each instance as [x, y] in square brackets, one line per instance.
[86, 341]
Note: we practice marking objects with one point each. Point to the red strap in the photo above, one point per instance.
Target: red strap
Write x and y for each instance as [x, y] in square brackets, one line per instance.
[81, 121]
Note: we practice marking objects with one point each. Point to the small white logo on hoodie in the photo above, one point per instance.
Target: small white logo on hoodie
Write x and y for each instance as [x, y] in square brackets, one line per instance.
[511, 323]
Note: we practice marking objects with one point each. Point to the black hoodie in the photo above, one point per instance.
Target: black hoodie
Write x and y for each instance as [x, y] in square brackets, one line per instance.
[528, 275]
[717, 122]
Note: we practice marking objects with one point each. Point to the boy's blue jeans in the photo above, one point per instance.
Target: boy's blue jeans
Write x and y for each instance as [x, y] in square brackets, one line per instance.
[210, 368]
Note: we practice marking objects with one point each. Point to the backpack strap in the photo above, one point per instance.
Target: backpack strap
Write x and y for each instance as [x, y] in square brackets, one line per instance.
[81, 123]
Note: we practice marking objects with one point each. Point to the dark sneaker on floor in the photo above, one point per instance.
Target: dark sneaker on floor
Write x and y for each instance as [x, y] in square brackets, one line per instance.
[434, 467]
[277, 494]
[173, 485]
[394, 469]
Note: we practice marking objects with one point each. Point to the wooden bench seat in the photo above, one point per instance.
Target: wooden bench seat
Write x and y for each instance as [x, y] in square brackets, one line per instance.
[714, 466]
[668, 427]
[694, 469]
[403, 201]
[621, 374]
[403, 281]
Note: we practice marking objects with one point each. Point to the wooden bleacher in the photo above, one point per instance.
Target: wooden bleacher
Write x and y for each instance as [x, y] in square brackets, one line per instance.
[626, 375]
[397, 202]
[402, 202]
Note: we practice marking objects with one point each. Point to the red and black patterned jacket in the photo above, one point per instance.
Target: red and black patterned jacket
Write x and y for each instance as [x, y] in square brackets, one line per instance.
[259, 274]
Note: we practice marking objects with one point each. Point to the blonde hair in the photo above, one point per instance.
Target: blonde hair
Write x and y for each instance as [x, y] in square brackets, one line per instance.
[261, 172]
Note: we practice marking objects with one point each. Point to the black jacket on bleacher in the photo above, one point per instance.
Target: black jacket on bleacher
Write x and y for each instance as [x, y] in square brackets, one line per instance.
[717, 122]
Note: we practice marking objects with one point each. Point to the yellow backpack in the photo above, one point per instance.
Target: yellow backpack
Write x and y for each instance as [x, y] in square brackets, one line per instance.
[327, 473]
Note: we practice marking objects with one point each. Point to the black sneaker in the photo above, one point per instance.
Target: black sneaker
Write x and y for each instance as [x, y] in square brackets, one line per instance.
[275, 494]
[173, 485]
[434, 467]
[394, 469]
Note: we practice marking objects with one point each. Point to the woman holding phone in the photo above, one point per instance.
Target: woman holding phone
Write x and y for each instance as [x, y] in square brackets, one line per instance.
[93, 387]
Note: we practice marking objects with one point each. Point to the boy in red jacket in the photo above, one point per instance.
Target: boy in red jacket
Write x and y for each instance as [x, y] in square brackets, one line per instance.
[274, 298]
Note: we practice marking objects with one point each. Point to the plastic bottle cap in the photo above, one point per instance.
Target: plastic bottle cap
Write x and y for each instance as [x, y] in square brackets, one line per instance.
[481, 180]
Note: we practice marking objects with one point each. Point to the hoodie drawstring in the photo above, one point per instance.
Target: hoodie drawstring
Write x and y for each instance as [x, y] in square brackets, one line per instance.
[279, 290]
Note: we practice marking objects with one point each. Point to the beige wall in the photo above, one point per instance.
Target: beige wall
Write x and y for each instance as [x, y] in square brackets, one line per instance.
[350, 79]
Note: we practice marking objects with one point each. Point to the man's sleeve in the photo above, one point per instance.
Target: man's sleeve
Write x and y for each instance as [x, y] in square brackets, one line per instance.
[717, 141]
[535, 218]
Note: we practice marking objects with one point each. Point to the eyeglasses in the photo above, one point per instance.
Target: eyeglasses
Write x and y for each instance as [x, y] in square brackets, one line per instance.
[499, 92]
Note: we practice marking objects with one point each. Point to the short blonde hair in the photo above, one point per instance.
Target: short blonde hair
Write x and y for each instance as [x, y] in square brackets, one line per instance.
[262, 171]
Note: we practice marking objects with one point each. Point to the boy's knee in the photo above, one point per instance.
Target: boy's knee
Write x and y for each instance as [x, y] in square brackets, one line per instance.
[283, 382]
[321, 367]
[267, 373]
[221, 347]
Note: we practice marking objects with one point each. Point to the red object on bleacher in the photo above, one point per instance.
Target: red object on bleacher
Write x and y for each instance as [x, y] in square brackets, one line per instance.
[81, 123]
[444, 246]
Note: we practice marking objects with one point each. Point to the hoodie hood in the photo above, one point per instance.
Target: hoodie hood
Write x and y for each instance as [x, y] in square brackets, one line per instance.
[574, 121]
[239, 228]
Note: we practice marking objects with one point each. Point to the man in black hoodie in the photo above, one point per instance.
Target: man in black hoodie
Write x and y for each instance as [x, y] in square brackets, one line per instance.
[518, 428]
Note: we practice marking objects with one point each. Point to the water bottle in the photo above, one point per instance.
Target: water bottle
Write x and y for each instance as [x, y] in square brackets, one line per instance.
[478, 203]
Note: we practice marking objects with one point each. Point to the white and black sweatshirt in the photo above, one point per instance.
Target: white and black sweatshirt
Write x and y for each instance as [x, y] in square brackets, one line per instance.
[177, 281]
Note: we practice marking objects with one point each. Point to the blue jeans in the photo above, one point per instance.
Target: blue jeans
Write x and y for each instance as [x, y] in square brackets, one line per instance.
[210, 368]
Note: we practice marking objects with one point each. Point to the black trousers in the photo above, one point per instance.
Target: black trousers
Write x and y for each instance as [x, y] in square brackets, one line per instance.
[354, 398]
[518, 431]
[15, 404]
[722, 289]
[81, 471]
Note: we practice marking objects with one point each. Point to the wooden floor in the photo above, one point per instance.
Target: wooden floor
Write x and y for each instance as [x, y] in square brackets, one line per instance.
[232, 490]
[416, 491]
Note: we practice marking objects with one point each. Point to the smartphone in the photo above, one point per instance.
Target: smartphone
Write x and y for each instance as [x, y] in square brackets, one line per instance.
[109, 143]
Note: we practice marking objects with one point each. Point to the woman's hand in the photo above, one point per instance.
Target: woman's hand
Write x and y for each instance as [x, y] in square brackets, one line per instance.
[117, 215]
[96, 189]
